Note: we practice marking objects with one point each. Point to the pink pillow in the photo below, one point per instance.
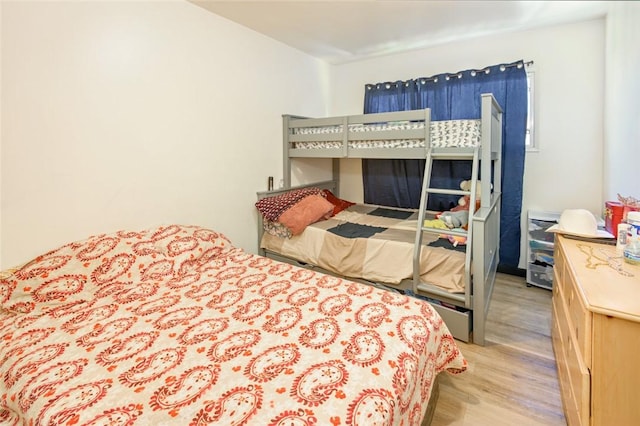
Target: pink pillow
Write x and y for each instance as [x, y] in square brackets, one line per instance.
[309, 210]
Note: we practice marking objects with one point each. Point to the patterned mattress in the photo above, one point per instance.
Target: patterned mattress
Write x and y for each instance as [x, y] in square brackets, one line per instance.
[446, 133]
[175, 325]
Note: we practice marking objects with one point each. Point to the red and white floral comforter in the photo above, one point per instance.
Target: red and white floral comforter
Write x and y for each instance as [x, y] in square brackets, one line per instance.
[176, 326]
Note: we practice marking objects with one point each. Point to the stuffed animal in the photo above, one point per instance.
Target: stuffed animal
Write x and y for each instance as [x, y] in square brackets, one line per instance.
[463, 202]
[457, 219]
[465, 185]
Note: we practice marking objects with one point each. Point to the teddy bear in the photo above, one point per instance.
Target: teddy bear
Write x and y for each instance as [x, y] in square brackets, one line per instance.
[458, 216]
[465, 200]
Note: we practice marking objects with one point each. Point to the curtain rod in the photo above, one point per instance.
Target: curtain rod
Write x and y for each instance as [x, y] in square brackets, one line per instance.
[448, 76]
[485, 70]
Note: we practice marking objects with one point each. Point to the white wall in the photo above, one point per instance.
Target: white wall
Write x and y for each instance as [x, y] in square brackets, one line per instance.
[131, 114]
[569, 64]
[126, 114]
[622, 102]
[1, 202]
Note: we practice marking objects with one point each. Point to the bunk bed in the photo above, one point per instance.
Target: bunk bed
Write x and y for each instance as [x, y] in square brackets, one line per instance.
[407, 135]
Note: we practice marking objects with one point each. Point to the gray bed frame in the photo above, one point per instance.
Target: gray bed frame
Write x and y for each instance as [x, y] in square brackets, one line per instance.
[465, 313]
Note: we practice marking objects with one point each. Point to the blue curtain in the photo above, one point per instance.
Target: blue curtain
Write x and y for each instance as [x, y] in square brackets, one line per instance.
[451, 97]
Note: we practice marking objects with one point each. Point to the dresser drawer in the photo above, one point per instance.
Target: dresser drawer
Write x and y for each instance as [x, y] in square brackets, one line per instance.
[580, 324]
[580, 380]
[568, 400]
[596, 334]
[572, 370]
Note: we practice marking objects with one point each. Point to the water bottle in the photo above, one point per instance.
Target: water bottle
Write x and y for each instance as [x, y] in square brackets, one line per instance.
[632, 249]
[621, 242]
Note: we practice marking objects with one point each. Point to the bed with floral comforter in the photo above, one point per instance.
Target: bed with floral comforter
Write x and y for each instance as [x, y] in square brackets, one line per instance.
[175, 325]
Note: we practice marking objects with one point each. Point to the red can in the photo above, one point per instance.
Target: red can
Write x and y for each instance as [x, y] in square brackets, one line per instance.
[613, 215]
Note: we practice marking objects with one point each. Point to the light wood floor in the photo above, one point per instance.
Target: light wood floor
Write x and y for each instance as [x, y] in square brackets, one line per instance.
[512, 380]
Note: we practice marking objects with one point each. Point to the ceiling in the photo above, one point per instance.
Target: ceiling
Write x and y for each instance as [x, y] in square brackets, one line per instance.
[345, 31]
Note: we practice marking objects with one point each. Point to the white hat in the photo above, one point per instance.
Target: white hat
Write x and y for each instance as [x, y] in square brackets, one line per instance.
[579, 222]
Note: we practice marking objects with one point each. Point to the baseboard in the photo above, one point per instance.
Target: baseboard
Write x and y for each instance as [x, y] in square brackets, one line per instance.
[512, 270]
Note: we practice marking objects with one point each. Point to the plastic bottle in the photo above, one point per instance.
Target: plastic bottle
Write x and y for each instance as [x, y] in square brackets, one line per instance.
[621, 243]
[632, 249]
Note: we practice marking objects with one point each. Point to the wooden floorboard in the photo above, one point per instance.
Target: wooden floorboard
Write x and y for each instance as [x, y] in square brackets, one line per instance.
[512, 380]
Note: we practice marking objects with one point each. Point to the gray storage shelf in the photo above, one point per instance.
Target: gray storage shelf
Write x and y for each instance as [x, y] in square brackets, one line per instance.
[540, 245]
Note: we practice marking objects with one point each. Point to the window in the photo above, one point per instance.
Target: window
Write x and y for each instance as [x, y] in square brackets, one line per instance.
[529, 141]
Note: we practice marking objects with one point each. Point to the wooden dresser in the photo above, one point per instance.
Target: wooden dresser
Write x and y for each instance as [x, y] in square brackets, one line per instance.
[596, 334]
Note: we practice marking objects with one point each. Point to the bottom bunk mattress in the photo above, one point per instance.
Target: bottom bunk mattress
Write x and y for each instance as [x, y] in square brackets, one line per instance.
[175, 326]
[376, 244]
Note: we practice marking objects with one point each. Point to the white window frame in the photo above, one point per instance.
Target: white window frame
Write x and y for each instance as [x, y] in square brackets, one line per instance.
[531, 144]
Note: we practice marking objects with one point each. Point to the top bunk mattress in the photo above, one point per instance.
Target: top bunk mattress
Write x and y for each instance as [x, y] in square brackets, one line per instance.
[443, 134]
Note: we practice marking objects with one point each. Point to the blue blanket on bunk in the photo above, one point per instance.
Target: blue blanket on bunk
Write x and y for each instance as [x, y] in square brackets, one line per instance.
[391, 213]
[355, 230]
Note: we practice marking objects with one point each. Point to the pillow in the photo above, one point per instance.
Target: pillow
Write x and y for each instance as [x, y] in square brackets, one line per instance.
[309, 210]
[55, 279]
[74, 272]
[276, 229]
[184, 243]
[272, 207]
[338, 203]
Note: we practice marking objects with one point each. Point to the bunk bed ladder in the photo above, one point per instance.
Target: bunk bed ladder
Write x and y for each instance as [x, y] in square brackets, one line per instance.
[433, 153]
